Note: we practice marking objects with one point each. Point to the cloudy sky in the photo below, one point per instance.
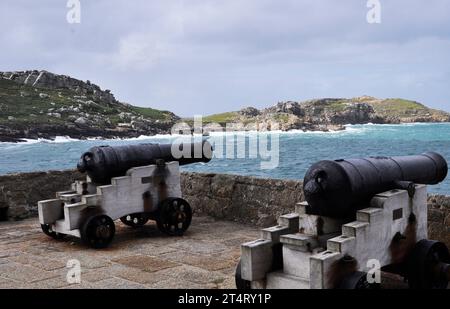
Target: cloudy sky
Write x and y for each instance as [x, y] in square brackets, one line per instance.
[208, 56]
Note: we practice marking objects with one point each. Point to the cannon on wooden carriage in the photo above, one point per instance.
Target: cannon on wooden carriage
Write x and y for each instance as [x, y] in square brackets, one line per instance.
[361, 217]
[133, 183]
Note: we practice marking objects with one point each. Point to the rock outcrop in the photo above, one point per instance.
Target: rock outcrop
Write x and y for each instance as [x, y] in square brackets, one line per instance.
[334, 113]
[40, 104]
[249, 112]
[44, 79]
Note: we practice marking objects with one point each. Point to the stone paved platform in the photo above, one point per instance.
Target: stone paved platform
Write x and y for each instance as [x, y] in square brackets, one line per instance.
[138, 258]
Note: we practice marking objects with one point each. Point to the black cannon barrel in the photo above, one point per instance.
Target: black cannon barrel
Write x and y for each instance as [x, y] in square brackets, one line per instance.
[105, 162]
[339, 188]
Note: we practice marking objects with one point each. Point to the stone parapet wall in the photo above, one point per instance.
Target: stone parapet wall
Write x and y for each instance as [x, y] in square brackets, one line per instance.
[244, 199]
[257, 201]
[439, 218]
[19, 193]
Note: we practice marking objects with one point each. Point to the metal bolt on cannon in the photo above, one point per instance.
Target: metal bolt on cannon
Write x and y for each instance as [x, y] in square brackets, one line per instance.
[356, 211]
[133, 183]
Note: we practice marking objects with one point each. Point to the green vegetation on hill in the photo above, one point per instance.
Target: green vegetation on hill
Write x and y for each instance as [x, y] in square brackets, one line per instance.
[22, 103]
[398, 106]
[221, 118]
[40, 104]
[152, 113]
[338, 105]
[27, 104]
[394, 107]
[336, 111]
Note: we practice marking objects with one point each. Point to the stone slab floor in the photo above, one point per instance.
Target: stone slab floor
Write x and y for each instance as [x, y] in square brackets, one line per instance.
[138, 258]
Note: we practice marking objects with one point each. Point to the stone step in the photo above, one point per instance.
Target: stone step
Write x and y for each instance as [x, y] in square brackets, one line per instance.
[300, 208]
[369, 215]
[291, 220]
[58, 194]
[73, 213]
[81, 186]
[280, 280]
[300, 241]
[341, 244]
[91, 200]
[103, 190]
[70, 198]
[120, 181]
[353, 229]
[50, 211]
[256, 259]
[274, 233]
[297, 250]
[319, 264]
[316, 225]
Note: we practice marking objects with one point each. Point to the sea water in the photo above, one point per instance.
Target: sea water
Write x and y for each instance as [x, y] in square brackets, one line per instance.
[297, 150]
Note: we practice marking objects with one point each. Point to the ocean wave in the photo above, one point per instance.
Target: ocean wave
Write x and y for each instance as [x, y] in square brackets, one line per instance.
[405, 124]
[294, 132]
[350, 129]
[290, 132]
[29, 141]
[147, 137]
[59, 140]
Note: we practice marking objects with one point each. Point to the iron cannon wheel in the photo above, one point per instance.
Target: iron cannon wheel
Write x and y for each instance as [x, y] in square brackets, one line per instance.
[98, 231]
[134, 220]
[174, 216]
[241, 284]
[423, 265]
[47, 229]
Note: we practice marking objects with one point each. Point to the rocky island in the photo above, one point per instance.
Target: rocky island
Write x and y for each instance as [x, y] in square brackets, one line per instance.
[331, 114]
[39, 104]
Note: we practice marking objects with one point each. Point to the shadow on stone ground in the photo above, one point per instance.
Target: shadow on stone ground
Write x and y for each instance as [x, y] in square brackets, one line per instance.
[138, 258]
[142, 258]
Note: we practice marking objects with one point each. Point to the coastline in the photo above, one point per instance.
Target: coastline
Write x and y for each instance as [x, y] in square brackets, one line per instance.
[297, 149]
[136, 136]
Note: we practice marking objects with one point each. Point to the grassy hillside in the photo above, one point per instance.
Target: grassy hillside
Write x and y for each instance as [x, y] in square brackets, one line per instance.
[391, 107]
[406, 110]
[400, 107]
[334, 113]
[61, 105]
[389, 110]
[151, 113]
[221, 118]
[23, 103]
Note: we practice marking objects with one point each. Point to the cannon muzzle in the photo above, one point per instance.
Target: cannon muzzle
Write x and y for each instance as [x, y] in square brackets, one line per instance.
[339, 188]
[105, 162]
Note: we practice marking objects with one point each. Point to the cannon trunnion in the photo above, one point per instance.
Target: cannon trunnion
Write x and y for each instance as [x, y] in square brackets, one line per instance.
[339, 188]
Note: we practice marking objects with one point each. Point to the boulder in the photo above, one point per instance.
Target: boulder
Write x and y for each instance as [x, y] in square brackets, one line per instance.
[289, 107]
[249, 112]
[81, 121]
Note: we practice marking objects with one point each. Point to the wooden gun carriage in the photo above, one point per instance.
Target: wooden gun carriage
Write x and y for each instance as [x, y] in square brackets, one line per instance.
[132, 183]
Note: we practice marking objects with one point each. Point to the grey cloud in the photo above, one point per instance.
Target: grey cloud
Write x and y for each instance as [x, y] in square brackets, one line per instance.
[205, 56]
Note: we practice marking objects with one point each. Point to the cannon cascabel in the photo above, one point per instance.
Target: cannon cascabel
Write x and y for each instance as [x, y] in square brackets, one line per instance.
[339, 188]
[102, 163]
